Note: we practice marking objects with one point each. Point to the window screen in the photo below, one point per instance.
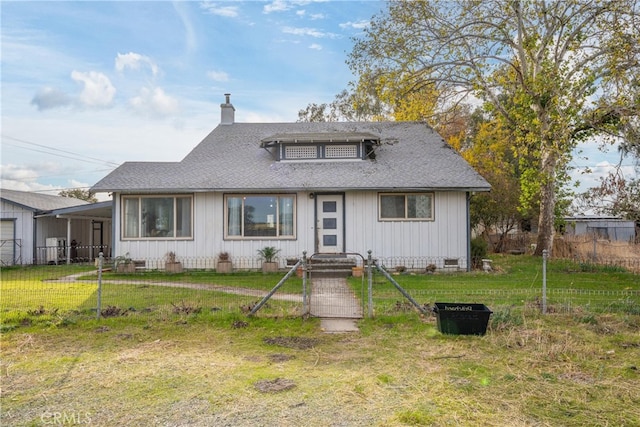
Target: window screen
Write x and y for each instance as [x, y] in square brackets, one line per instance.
[340, 151]
[414, 206]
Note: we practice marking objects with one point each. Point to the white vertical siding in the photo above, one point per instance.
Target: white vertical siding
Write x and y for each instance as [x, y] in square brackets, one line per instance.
[445, 237]
[23, 229]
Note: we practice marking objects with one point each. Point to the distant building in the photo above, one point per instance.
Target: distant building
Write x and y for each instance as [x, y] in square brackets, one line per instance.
[603, 227]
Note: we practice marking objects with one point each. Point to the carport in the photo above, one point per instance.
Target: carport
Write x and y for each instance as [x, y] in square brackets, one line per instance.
[87, 233]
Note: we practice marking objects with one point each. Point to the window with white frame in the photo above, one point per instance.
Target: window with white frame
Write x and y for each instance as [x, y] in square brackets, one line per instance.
[260, 216]
[157, 217]
[405, 206]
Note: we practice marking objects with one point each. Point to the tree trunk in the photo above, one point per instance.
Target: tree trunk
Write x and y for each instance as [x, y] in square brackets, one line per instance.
[547, 202]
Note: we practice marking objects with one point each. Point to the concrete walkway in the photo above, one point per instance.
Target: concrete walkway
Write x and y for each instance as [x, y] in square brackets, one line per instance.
[333, 301]
[198, 286]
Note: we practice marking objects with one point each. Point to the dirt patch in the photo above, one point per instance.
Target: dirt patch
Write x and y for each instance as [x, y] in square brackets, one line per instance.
[113, 311]
[630, 345]
[237, 324]
[298, 343]
[184, 308]
[274, 386]
[577, 377]
[279, 357]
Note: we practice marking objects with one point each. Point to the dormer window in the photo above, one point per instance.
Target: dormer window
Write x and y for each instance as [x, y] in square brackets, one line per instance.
[321, 146]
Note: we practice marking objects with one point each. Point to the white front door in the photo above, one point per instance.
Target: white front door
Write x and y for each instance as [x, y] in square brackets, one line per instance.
[330, 223]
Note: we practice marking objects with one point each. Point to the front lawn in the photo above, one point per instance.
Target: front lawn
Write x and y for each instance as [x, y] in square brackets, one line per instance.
[212, 368]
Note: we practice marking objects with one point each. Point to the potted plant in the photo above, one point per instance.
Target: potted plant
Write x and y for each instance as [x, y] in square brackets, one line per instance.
[171, 265]
[124, 264]
[357, 271]
[224, 263]
[268, 255]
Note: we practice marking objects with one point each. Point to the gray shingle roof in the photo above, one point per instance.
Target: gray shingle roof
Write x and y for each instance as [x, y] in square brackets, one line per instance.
[39, 202]
[411, 155]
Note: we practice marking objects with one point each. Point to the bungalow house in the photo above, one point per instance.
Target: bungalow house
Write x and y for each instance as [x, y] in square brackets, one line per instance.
[395, 188]
[40, 228]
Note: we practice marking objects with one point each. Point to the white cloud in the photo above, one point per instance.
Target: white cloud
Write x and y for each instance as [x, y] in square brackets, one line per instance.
[25, 177]
[592, 176]
[215, 9]
[358, 25]
[190, 34]
[17, 173]
[314, 16]
[134, 61]
[218, 76]
[315, 46]
[312, 32]
[277, 6]
[97, 91]
[155, 102]
[48, 98]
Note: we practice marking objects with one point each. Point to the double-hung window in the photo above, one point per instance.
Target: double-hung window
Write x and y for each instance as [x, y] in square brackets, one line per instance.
[157, 217]
[260, 216]
[405, 206]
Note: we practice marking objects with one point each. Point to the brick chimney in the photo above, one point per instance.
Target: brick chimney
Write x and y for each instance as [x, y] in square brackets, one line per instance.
[227, 112]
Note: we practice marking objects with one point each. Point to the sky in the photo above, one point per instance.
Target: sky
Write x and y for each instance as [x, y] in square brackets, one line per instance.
[88, 85]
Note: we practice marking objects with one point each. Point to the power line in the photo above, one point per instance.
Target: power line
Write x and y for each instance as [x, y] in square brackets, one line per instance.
[59, 189]
[74, 174]
[55, 152]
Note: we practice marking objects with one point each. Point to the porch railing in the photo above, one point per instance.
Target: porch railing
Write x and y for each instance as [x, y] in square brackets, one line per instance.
[71, 253]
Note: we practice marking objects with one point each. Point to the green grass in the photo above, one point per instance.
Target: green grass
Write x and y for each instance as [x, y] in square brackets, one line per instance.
[524, 272]
[31, 296]
[203, 369]
[253, 280]
[516, 281]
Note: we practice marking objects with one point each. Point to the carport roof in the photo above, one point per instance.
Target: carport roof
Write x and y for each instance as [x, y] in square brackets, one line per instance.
[100, 210]
[39, 202]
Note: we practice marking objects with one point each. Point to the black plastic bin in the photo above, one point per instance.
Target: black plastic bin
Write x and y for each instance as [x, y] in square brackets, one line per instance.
[461, 318]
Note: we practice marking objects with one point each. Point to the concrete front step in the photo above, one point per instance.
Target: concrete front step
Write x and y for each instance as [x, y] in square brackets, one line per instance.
[330, 274]
[339, 325]
[331, 267]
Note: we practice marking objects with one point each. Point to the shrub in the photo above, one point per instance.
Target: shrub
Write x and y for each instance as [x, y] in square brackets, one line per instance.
[479, 248]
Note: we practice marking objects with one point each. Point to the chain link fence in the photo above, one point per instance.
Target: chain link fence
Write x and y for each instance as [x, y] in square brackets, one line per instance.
[55, 291]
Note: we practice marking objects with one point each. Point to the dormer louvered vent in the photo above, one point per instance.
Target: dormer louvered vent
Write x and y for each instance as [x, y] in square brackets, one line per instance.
[339, 146]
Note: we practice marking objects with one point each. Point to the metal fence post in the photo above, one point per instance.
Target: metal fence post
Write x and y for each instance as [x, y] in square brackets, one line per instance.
[369, 284]
[305, 309]
[99, 303]
[545, 254]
